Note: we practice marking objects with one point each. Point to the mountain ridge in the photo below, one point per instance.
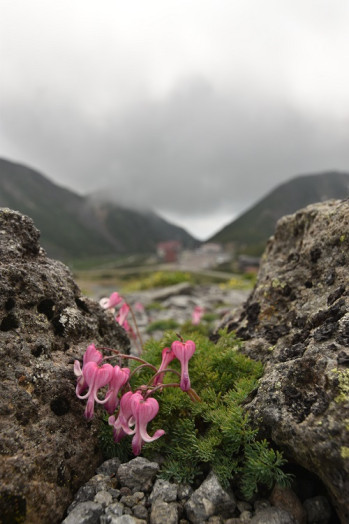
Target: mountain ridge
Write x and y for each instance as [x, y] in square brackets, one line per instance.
[73, 226]
[284, 199]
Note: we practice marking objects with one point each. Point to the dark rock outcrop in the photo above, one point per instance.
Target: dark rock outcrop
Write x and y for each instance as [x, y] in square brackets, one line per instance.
[297, 321]
[47, 448]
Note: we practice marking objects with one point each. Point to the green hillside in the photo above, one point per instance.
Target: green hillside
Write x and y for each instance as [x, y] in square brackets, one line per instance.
[73, 227]
[250, 232]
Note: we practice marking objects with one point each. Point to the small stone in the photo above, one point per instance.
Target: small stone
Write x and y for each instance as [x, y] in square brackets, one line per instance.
[261, 504]
[285, 498]
[84, 494]
[109, 467]
[138, 474]
[209, 499]
[215, 519]
[242, 505]
[139, 496]
[140, 511]
[125, 491]
[273, 515]
[104, 498]
[164, 490]
[129, 500]
[84, 513]
[114, 510]
[124, 519]
[162, 512]
[184, 491]
[245, 516]
[318, 510]
[101, 482]
[115, 493]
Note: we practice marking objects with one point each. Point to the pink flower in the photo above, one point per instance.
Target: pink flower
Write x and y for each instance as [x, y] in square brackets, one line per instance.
[167, 357]
[119, 378]
[139, 307]
[91, 355]
[184, 352]
[111, 302]
[122, 423]
[129, 329]
[197, 314]
[96, 377]
[123, 312]
[135, 411]
[143, 411]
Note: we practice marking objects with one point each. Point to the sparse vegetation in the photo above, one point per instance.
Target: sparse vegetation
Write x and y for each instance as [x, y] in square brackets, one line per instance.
[215, 432]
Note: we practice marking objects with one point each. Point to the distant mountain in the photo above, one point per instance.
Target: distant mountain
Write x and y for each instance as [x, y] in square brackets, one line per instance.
[73, 226]
[250, 231]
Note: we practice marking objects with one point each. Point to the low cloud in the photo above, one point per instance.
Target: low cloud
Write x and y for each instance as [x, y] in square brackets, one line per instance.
[193, 153]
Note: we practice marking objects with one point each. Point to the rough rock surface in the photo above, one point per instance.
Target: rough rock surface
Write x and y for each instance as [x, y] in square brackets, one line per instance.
[47, 448]
[297, 321]
[209, 499]
[105, 499]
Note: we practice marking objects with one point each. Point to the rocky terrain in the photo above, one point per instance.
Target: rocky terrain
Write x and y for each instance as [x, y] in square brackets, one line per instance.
[129, 493]
[297, 321]
[47, 447]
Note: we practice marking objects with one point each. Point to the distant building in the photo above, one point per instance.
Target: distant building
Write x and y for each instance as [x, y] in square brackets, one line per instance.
[169, 251]
[211, 247]
[248, 264]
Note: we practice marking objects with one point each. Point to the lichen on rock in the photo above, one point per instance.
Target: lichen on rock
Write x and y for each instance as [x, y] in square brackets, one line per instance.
[47, 448]
[296, 322]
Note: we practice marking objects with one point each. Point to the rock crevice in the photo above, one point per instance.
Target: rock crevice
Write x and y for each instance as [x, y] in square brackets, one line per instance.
[297, 322]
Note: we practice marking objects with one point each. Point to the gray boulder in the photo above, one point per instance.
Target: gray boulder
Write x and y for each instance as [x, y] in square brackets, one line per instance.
[164, 512]
[138, 474]
[48, 449]
[208, 500]
[297, 322]
[273, 515]
[164, 490]
[84, 513]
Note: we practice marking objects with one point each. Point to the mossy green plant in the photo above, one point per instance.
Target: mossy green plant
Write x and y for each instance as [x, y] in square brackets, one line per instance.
[214, 433]
[162, 325]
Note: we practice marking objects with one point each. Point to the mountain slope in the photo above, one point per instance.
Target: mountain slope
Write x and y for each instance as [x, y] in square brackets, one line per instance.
[73, 226]
[250, 232]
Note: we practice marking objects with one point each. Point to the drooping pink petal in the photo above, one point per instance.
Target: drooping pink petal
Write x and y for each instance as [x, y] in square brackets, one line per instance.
[129, 329]
[143, 411]
[111, 302]
[123, 312]
[167, 357]
[95, 377]
[77, 368]
[102, 378]
[119, 378]
[197, 315]
[184, 352]
[121, 424]
[92, 355]
[139, 307]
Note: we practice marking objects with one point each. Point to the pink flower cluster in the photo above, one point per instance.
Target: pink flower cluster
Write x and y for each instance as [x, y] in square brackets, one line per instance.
[137, 408]
[121, 318]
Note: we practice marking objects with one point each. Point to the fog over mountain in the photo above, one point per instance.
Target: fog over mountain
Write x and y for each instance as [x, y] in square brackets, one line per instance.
[195, 110]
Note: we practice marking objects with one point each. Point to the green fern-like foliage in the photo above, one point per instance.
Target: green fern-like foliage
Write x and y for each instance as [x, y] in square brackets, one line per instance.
[214, 433]
[262, 466]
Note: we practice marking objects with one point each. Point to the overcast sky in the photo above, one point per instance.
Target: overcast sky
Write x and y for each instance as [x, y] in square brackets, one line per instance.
[193, 108]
